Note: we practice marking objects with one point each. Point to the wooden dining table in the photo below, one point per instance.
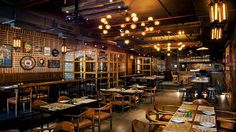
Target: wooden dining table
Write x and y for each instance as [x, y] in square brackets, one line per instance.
[203, 119]
[57, 109]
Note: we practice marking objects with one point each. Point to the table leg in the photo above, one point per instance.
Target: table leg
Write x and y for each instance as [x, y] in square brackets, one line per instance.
[199, 90]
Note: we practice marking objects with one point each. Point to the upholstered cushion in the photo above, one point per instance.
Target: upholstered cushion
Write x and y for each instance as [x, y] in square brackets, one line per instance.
[120, 103]
[165, 117]
[84, 123]
[103, 115]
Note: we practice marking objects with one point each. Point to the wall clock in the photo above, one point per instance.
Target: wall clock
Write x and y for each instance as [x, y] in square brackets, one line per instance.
[55, 52]
[27, 62]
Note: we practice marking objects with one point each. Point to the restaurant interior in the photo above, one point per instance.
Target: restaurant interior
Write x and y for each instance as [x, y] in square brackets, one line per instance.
[117, 65]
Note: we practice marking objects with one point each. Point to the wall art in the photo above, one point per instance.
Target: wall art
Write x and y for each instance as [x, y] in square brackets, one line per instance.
[53, 63]
[27, 62]
[47, 51]
[6, 55]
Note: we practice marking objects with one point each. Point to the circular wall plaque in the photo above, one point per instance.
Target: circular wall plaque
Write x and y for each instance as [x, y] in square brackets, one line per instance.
[55, 52]
[27, 62]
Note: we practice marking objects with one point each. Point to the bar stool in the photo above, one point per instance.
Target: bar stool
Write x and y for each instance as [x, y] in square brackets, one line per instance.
[211, 94]
[188, 92]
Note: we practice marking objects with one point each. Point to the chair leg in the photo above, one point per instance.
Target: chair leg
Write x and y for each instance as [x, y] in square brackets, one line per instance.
[7, 106]
[99, 126]
[110, 124]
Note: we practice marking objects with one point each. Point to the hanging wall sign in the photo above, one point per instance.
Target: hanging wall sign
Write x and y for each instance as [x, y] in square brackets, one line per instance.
[27, 47]
[55, 52]
[27, 62]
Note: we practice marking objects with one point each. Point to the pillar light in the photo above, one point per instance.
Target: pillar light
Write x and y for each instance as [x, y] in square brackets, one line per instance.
[218, 11]
[63, 47]
[16, 43]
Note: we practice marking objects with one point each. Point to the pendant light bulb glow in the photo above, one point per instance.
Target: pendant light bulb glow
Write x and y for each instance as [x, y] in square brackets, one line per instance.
[133, 26]
[122, 25]
[135, 19]
[143, 24]
[103, 20]
[126, 41]
[150, 18]
[100, 27]
[109, 16]
[133, 15]
[156, 23]
[127, 19]
[108, 27]
[104, 31]
[143, 33]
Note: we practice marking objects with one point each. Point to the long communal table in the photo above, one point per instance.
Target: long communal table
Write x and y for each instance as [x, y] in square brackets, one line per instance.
[203, 119]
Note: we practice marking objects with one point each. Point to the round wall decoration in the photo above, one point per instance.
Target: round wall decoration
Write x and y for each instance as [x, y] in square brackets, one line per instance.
[27, 62]
[55, 52]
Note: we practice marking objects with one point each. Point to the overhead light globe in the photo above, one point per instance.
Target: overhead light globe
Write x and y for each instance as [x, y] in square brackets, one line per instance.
[135, 19]
[151, 29]
[127, 31]
[108, 26]
[168, 54]
[109, 16]
[158, 48]
[150, 18]
[100, 27]
[126, 41]
[104, 31]
[103, 20]
[133, 26]
[122, 34]
[127, 19]
[133, 15]
[122, 25]
[143, 33]
[156, 23]
[143, 24]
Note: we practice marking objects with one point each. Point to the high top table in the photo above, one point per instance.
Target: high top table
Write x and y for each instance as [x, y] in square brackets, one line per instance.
[201, 115]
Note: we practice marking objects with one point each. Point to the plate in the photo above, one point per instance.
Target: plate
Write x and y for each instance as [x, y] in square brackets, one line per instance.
[208, 113]
[64, 101]
[52, 109]
[182, 110]
[189, 103]
[178, 119]
[207, 124]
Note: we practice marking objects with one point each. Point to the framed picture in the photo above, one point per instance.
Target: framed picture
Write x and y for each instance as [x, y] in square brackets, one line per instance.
[47, 51]
[53, 63]
[27, 47]
[27, 62]
[41, 61]
[38, 49]
[5, 55]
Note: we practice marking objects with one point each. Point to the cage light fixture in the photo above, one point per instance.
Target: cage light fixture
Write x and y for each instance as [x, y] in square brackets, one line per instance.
[218, 11]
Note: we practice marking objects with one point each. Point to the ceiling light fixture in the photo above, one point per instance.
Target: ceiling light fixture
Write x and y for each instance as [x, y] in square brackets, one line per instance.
[150, 18]
[126, 41]
[104, 31]
[133, 26]
[143, 24]
[100, 27]
[156, 23]
[108, 27]
[202, 48]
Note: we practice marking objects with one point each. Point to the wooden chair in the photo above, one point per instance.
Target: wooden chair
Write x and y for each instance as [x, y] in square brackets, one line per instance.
[24, 96]
[166, 111]
[41, 92]
[150, 93]
[226, 120]
[123, 101]
[84, 120]
[64, 126]
[139, 126]
[102, 114]
[201, 102]
[154, 119]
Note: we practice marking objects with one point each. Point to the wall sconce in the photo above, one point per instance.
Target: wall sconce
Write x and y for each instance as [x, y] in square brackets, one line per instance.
[16, 44]
[64, 48]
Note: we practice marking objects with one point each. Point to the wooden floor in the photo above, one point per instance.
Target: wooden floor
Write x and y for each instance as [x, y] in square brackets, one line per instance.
[122, 120]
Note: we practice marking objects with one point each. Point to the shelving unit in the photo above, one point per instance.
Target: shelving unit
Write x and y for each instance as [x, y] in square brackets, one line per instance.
[105, 65]
[143, 65]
